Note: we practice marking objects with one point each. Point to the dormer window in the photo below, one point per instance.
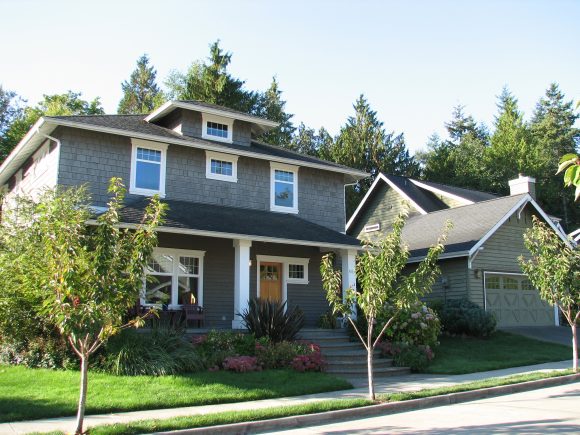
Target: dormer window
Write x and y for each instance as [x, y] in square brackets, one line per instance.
[216, 128]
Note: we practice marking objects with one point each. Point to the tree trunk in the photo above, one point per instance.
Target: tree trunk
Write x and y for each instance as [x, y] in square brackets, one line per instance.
[83, 394]
[574, 348]
[370, 370]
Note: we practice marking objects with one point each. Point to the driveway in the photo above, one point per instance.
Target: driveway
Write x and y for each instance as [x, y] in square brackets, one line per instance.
[544, 411]
[553, 334]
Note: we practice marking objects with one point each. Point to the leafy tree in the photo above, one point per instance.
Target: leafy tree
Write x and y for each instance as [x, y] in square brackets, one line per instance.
[512, 149]
[69, 103]
[271, 106]
[85, 277]
[385, 289]
[554, 269]
[571, 164]
[363, 143]
[307, 141]
[141, 93]
[10, 111]
[212, 83]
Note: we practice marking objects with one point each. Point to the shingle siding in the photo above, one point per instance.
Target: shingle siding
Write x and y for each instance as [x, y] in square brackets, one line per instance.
[500, 252]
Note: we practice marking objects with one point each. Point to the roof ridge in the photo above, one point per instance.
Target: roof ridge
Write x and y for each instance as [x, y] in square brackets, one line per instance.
[95, 115]
[454, 187]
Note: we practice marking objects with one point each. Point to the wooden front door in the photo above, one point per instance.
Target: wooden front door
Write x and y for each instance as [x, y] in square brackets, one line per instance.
[271, 281]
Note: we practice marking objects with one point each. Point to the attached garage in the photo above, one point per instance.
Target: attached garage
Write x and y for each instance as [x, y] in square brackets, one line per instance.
[514, 301]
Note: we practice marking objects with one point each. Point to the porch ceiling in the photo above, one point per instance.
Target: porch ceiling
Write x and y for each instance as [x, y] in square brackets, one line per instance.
[221, 221]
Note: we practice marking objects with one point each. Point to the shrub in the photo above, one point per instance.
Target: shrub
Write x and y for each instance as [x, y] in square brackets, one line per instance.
[265, 318]
[50, 351]
[216, 346]
[327, 320]
[463, 317]
[164, 351]
[242, 364]
[309, 362]
[417, 358]
[417, 325]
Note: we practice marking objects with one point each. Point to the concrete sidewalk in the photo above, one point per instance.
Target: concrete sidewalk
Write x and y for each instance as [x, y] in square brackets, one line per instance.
[411, 382]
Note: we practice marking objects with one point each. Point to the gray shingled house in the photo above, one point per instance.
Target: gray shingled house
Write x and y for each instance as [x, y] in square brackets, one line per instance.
[480, 259]
[245, 218]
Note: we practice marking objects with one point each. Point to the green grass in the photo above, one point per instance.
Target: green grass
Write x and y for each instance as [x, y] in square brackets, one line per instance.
[457, 355]
[27, 394]
[189, 422]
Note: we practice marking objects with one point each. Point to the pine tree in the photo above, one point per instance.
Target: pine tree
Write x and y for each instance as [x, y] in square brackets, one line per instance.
[552, 127]
[512, 149]
[10, 112]
[212, 83]
[141, 93]
[271, 106]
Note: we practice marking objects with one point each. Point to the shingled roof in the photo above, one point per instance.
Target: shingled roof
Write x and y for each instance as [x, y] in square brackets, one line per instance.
[221, 221]
[470, 224]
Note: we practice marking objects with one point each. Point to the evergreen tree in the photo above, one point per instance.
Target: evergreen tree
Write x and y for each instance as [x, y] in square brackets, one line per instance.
[66, 104]
[364, 144]
[10, 111]
[307, 141]
[512, 149]
[552, 127]
[141, 93]
[212, 83]
[271, 106]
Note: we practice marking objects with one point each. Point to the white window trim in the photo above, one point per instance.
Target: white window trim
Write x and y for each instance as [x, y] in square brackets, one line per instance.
[211, 155]
[286, 261]
[283, 167]
[175, 276]
[206, 117]
[140, 143]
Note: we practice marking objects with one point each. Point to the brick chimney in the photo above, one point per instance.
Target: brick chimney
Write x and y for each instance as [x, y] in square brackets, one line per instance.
[523, 184]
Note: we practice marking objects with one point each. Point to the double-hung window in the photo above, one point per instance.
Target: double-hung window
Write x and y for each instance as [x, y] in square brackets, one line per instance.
[216, 128]
[220, 166]
[173, 277]
[148, 163]
[283, 188]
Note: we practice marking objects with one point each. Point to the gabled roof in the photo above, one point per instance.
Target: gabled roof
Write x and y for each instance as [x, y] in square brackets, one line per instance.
[136, 126]
[473, 225]
[239, 223]
[422, 195]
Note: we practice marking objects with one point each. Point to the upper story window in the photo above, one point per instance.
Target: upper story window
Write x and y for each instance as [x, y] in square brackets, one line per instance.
[216, 128]
[148, 168]
[283, 188]
[220, 166]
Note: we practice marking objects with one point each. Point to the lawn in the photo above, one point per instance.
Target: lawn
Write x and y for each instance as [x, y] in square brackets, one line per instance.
[458, 355]
[27, 394]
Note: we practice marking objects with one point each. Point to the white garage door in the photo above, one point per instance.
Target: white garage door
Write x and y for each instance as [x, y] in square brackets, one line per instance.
[515, 302]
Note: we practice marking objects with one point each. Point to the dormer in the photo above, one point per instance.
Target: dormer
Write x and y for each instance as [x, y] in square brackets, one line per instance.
[196, 119]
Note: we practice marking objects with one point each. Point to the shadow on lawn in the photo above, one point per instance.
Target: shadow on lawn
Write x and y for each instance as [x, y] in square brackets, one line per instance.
[18, 409]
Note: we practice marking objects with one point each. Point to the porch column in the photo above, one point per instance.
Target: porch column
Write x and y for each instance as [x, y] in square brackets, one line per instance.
[348, 271]
[241, 280]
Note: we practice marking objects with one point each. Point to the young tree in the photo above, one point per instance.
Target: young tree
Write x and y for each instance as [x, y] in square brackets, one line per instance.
[69, 103]
[141, 93]
[384, 289]
[554, 269]
[86, 277]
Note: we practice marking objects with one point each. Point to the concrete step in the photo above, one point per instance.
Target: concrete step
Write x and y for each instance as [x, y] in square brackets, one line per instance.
[352, 353]
[378, 372]
[378, 363]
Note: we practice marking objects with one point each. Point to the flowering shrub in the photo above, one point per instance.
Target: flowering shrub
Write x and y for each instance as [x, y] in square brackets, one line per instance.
[310, 362]
[416, 326]
[242, 364]
[417, 358]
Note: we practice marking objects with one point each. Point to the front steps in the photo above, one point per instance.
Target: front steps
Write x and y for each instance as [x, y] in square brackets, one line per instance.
[348, 358]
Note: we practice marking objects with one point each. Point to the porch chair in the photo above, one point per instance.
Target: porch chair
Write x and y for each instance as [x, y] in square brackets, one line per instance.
[195, 313]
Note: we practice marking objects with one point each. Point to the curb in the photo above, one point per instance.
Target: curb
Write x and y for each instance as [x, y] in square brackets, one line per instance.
[374, 410]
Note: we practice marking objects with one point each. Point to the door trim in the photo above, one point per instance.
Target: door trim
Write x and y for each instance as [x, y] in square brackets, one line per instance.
[285, 261]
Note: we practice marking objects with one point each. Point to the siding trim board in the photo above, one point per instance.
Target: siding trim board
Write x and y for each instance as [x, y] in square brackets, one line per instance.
[464, 201]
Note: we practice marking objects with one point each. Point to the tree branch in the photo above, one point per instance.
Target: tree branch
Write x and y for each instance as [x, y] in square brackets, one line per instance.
[357, 332]
[383, 330]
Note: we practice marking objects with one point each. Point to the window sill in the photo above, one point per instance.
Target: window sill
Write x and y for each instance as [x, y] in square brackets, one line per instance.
[279, 209]
[145, 192]
[221, 178]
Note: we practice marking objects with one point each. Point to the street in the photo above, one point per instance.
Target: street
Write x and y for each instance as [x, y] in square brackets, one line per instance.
[548, 410]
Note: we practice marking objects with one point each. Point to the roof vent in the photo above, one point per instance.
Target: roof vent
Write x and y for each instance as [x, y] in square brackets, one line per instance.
[523, 184]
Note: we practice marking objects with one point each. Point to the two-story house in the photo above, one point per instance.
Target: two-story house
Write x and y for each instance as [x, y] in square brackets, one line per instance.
[480, 262]
[245, 218]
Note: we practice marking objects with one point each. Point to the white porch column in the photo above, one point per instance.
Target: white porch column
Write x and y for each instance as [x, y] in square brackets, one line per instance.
[348, 271]
[241, 280]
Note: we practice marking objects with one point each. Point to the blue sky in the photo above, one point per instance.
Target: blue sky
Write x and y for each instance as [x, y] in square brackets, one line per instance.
[414, 60]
